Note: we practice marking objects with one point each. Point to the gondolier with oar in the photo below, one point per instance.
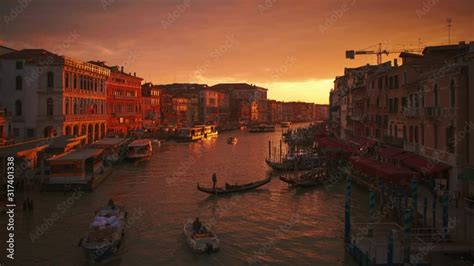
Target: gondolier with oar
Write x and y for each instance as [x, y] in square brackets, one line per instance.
[214, 181]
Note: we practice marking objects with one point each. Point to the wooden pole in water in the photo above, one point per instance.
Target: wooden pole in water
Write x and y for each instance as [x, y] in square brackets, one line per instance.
[280, 150]
[390, 249]
[269, 150]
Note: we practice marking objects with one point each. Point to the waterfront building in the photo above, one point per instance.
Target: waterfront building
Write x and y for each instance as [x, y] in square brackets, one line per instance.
[321, 112]
[4, 128]
[275, 111]
[124, 111]
[53, 95]
[248, 103]
[151, 107]
[6, 50]
[421, 108]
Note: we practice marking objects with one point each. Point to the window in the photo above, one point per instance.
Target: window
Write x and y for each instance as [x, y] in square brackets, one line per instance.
[19, 83]
[19, 65]
[422, 134]
[66, 106]
[66, 79]
[30, 132]
[50, 80]
[436, 95]
[75, 81]
[410, 138]
[404, 133]
[450, 139]
[436, 136]
[416, 134]
[18, 108]
[452, 89]
[405, 78]
[49, 107]
[395, 79]
[16, 132]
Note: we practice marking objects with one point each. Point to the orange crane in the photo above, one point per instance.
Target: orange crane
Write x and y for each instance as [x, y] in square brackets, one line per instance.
[350, 54]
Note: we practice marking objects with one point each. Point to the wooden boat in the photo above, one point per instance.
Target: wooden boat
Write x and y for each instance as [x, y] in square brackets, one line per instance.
[291, 163]
[189, 134]
[232, 140]
[204, 241]
[107, 230]
[262, 128]
[139, 149]
[235, 188]
[315, 177]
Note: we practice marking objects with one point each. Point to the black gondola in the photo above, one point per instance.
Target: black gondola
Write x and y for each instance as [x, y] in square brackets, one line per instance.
[310, 179]
[235, 188]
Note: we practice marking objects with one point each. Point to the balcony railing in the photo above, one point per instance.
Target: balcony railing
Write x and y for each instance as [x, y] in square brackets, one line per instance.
[412, 112]
[412, 147]
[398, 142]
[432, 111]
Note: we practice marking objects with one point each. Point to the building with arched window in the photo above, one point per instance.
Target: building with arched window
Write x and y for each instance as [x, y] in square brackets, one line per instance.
[57, 98]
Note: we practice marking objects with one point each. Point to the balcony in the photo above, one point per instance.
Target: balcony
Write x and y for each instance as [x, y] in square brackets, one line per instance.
[412, 147]
[412, 112]
[432, 112]
[397, 142]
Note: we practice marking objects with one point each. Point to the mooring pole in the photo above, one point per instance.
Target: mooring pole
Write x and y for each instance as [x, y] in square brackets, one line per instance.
[434, 213]
[445, 215]
[347, 208]
[371, 212]
[425, 210]
[390, 249]
[269, 150]
[407, 226]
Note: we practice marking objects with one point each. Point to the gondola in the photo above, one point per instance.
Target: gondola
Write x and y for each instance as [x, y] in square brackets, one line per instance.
[310, 179]
[235, 188]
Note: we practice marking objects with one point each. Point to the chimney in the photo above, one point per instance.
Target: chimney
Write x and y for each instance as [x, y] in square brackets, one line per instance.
[395, 62]
[121, 69]
[134, 74]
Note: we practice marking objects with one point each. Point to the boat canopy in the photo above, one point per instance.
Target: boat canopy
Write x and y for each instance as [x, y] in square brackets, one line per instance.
[139, 143]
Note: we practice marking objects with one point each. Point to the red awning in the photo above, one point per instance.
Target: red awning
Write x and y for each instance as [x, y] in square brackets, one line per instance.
[385, 171]
[389, 152]
[362, 142]
[424, 165]
[334, 144]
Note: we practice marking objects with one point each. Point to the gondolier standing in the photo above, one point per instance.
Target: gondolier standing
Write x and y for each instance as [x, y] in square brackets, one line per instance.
[214, 181]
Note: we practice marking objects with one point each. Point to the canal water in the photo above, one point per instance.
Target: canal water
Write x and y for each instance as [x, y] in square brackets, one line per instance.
[274, 225]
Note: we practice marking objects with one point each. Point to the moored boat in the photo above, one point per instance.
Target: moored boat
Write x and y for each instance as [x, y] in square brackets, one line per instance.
[209, 131]
[139, 149]
[204, 241]
[234, 188]
[296, 161]
[262, 128]
[113, 149]
[232, 140]
[189, 134]
[315, 177]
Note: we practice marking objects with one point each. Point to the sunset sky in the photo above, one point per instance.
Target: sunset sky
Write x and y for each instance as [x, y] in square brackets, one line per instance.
[293, 48]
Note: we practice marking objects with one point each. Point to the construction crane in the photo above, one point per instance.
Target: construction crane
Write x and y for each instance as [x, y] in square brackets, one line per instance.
[350, 54]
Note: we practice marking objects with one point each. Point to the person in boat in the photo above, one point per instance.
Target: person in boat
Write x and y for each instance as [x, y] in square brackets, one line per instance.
[111, 204]
[197, 225]
[214, 181]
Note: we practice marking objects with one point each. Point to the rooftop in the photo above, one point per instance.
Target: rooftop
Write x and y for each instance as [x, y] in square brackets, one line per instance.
[77, 155]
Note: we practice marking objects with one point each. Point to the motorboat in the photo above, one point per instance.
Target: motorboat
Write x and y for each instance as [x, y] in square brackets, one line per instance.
[203, 241]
